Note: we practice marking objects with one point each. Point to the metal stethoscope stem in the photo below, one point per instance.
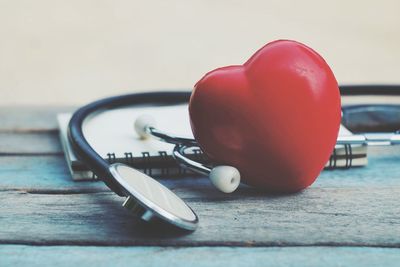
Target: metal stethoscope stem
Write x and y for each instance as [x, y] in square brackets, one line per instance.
[182, 143]
[225, 178]
[370, 139]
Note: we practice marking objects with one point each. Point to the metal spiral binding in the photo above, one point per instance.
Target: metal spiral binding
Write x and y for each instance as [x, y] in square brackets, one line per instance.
[128, 158]
[111, 158]
[332, 160]
[349, 155]
[348, 149]
[146, 160]
[94, 176]
[198, 154]
[164, 156]
[182, 171]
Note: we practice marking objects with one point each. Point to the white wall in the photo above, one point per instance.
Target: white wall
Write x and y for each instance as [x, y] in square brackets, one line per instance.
[71, 52]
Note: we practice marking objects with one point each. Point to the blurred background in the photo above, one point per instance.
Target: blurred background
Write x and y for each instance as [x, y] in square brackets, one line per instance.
[71, 52]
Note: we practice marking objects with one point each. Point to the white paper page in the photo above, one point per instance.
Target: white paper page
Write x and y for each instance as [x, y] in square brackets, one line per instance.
[112, 131]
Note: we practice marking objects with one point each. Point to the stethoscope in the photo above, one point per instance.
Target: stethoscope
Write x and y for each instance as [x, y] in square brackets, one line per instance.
[149, 199]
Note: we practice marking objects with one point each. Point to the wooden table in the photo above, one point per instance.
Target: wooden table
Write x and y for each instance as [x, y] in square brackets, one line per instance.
[348, 217]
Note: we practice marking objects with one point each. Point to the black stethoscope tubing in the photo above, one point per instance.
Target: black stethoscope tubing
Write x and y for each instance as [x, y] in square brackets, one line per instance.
[86, 153]
[100, 167]
[373, 90]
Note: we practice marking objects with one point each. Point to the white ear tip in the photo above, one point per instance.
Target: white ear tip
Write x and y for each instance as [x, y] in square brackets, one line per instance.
[141, 123]
[225, 178]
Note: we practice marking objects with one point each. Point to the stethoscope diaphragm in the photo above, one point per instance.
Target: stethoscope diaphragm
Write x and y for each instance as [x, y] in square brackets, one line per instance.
[149, 199]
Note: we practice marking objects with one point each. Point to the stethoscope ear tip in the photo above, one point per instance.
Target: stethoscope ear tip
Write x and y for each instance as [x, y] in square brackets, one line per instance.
[142, 123]
[225, 178]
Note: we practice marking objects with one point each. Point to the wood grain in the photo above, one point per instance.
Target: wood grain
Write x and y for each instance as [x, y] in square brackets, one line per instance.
[16, 255]
[41, 205]
[30, 143]
[50, 172]
[317, 216]
[357, 207]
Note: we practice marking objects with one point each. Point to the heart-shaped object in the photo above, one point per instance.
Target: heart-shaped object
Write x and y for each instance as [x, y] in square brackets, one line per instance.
[275, 118]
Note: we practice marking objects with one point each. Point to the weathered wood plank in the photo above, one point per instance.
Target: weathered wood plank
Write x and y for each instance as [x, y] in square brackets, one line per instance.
[317, 216]
[51, 172]
[16, 255]
[31, 143]
[344, 207]
[30, 119]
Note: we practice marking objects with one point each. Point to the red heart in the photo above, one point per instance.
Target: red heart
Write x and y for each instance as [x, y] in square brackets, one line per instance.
[276, 118]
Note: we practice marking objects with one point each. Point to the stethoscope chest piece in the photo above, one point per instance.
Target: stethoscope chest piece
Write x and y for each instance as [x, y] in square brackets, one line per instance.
[149, 199]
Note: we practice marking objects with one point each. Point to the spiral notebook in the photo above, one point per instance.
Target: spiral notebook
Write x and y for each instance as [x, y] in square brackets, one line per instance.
[112, 135]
